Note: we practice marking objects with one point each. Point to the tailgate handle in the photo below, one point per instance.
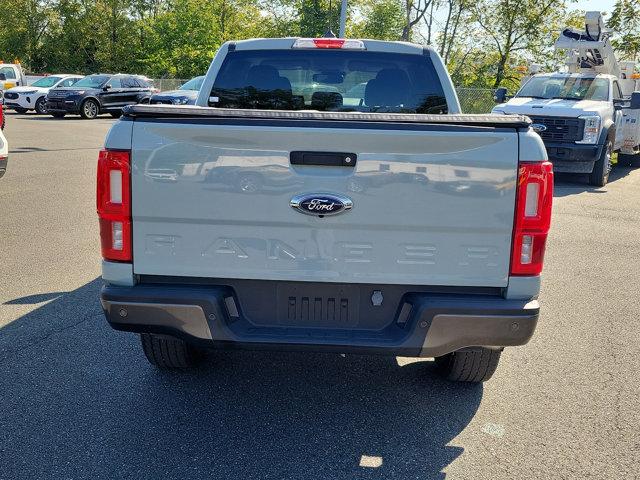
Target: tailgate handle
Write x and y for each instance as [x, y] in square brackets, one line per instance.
[324, 159]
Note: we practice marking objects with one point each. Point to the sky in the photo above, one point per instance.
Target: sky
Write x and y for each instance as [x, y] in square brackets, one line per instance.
[601, 5]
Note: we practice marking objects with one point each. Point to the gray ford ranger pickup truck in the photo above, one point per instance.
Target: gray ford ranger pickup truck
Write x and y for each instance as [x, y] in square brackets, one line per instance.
[328, 195]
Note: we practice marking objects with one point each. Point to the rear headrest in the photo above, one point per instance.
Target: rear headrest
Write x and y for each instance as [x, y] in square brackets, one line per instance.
[390, 88]
[326, 101]
[267, 77]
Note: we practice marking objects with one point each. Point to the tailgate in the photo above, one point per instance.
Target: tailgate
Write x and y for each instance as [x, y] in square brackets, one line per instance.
[432, 204]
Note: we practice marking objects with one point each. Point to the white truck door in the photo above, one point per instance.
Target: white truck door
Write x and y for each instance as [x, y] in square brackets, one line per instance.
[618, 116]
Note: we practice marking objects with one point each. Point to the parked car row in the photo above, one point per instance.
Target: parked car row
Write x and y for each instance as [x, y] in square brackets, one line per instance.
[63, 94]
[99, 93]
[33, 97]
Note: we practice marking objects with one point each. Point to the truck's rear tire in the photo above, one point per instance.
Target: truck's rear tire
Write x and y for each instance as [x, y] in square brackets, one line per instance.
[169, 353]
[629, 160]
[600, 174]
[473, 365]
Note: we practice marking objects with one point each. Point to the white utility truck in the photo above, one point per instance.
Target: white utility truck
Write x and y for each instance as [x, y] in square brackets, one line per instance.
[587, 112]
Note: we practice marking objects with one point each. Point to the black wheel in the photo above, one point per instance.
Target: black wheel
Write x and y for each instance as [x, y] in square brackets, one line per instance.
[473, 365]
[117, 114]
[167, 352]
[20, 110]
[41, 106]
[89, 109]
[600, 174]
[628, 160]
[58, 115]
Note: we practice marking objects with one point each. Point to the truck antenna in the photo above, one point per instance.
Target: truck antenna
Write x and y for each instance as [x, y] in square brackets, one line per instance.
[329, 33]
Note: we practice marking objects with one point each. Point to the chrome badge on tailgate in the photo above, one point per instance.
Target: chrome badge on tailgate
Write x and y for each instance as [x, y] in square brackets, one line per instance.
[321, 204]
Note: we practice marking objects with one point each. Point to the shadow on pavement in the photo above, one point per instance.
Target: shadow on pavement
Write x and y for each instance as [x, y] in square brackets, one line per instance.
[33, 299]
[80, 401]
[571, 183]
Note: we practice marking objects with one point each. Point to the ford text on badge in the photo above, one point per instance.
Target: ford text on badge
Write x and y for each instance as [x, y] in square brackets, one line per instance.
[321, 204]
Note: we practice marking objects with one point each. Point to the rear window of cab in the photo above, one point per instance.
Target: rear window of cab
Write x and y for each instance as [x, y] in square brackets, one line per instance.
[329, 80]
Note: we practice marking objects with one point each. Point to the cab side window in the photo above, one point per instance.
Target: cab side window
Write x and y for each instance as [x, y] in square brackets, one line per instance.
[67, 82]
[617, 93]
[9, 73]
[115, 82]
[128, 82]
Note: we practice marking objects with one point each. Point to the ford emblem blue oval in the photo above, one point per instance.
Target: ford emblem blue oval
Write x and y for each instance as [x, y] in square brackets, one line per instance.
[539, 127]
[321, 204]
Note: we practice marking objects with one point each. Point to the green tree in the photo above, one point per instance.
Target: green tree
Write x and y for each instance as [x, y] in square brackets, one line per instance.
[516, 26]
[379, 19]
[625, 20]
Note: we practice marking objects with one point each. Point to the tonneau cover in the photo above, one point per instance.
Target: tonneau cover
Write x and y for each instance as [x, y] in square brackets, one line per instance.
[172, 111]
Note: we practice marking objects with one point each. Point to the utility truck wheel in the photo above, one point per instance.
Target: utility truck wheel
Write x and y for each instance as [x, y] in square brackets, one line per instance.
[472, 365]
[629, 160]
[600, 174]
[169, 353]
[41, 106]
[89, 109]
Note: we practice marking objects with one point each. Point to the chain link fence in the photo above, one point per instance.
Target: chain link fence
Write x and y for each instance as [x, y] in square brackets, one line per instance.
[472, 100]
[164, 84]
[476, 100]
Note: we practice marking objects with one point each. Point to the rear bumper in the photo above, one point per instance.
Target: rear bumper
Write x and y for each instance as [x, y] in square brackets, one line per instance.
[573, 158]
[419, 323]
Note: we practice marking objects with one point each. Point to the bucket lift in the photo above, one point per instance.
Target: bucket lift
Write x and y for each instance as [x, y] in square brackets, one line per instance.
[589, 50]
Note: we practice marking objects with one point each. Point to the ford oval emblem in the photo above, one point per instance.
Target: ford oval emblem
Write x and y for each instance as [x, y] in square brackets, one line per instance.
[538, 127]
[321, 204]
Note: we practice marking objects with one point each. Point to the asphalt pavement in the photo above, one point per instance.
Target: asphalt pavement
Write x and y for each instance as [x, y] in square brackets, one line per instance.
[78, 400]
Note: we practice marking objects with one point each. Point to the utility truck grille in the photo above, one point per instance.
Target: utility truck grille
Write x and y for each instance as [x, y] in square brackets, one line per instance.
[560, 129]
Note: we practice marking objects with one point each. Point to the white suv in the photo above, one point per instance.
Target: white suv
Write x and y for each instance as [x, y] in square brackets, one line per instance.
[33, 97]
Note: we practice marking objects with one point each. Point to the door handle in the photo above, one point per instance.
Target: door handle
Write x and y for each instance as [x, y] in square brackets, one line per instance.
[323, 159]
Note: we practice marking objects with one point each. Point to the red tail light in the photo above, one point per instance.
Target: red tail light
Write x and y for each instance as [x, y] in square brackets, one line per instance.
[534, 197]
[114, 204]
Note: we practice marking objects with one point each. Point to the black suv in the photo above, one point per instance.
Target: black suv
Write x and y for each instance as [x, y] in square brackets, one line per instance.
[99, 93]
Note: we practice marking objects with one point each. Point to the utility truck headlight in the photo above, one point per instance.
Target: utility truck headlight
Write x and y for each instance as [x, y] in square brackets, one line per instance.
[592, 125]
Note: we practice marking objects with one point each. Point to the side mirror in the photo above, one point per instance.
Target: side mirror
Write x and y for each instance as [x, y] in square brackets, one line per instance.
[500, 95]
[106, 87]
[635, 100]
[618, 104]
[3, 77]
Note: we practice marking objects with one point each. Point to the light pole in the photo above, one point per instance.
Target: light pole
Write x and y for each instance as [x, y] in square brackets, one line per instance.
[343, 18]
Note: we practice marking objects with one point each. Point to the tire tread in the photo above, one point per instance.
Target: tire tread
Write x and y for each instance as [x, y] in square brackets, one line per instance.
[473, 366]
[167, 352]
